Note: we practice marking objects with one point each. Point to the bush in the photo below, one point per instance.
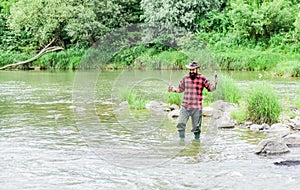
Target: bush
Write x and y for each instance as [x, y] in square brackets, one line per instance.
[262, 104]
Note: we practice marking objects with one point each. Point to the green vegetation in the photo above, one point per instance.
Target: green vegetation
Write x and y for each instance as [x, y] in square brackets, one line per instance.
[262, 104]
[239, 115]
[268, 37]
[175, 98]
[134, 100]
[227, 90]
[64, 60]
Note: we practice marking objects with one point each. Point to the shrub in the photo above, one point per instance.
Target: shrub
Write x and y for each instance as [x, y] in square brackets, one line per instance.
[262, 104]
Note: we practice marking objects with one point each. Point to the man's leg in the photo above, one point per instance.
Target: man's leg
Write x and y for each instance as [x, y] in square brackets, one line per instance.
[196, 123]
[182, 120]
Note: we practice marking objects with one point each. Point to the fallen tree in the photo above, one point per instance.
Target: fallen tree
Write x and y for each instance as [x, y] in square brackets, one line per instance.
[44, 51]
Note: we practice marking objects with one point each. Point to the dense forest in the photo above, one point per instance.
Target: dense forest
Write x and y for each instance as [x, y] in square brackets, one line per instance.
[241, 34]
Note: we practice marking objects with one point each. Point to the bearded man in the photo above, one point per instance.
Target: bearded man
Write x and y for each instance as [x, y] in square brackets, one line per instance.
[192, 85]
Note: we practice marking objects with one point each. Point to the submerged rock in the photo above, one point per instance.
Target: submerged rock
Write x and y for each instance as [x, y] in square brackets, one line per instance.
[287, 163]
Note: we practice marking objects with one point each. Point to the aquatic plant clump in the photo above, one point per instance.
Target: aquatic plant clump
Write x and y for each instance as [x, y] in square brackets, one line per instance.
[227, 90]
[175, 98]
[262, 104]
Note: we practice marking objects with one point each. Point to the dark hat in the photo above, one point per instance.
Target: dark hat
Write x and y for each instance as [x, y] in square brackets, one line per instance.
[192, 65]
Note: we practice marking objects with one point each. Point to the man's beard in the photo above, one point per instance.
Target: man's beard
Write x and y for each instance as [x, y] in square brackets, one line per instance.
[193, 75]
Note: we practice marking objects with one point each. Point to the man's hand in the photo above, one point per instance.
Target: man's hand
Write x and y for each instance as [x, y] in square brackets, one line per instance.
[171, 89]
[216, 78]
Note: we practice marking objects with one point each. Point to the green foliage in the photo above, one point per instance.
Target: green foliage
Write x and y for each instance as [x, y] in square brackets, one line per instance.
[227, 90]
[128, 56]
[134, 100]
[262, 20]
[287, 69]
[165, 60]
[7, 57]
[240, 114]
[262, 104]
[175, 98]
[177, 12]
[240, 34]
[5, 6]
[63, 60]
[71, 21]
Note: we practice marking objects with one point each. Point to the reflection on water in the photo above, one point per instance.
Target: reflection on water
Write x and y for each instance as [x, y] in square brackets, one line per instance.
[49, 141]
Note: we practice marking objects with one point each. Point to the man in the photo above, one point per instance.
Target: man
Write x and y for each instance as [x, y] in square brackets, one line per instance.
[192, 85]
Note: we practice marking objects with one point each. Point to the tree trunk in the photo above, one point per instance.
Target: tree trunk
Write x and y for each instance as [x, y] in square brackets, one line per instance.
[45, 50]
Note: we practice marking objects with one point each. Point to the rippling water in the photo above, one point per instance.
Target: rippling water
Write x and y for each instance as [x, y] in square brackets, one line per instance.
[50, 141]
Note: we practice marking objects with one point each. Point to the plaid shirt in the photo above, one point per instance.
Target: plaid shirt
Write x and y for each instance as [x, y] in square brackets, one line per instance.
[193, 90]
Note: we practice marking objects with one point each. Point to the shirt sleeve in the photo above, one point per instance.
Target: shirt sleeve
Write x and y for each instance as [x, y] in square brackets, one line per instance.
[207, 84]
[181, 85]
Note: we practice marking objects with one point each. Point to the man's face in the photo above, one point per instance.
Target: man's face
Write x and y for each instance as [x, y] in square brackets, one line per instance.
[193, 73]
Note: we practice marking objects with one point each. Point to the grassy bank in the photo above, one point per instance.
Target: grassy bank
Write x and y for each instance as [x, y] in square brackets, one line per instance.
[68, 59]
[276, 63]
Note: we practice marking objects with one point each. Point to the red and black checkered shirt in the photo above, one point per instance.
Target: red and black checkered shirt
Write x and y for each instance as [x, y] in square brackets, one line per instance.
[193, 90]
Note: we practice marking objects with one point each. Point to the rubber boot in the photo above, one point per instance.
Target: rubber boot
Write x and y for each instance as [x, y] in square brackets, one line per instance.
[181, 134]
[197, 135]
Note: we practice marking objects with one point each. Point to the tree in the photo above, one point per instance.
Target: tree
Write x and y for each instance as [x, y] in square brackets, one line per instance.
[79, 22]
[42, 19]
[182, 13]
[262, 20]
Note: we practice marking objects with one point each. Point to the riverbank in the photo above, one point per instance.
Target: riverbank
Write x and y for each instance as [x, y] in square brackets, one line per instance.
[277, 64]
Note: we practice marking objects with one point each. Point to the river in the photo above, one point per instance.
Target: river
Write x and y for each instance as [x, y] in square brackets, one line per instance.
[66, 130]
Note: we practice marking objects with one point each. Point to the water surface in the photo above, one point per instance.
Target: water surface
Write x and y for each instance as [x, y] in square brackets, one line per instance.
[66, 130]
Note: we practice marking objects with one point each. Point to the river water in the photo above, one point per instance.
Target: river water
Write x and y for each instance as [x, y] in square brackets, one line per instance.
[66, 130]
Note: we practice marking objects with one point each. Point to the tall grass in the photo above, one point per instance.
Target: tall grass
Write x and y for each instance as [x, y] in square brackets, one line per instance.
[262, 104]
[134, 100]
[63, 60]
[227, 90]
[175, 98]
[240, 114]
[9, 57]
[288, 69]
[171, 59]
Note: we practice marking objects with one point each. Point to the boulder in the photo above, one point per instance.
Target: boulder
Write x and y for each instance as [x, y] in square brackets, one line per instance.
[254, 127]
[207, 111]
[174, 107]
[278, 129]
[292, 140]
[223, 106]
[295, 123]
[174, 114]
[271, 146]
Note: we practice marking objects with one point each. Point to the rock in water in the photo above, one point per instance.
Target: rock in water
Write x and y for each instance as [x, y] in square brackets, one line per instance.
[287, 163]
[270, 146]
